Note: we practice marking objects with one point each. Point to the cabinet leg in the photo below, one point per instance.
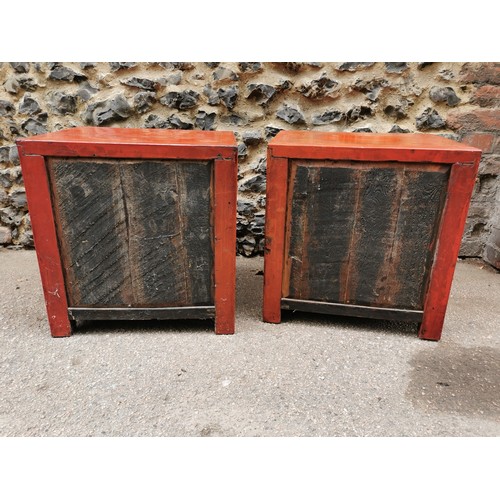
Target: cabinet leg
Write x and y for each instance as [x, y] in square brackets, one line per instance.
[431, 326]
[61, 327]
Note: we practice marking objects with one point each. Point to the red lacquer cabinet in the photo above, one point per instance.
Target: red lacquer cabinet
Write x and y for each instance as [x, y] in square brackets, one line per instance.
[365, 225]
[133, 224]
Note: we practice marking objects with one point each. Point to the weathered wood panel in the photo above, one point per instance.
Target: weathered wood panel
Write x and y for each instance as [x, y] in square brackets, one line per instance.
[88, 204]
[318, 251]
[124, 233]
[297, 238]
[371, 234]
[418, 222]
[195, 189]
[361, 233]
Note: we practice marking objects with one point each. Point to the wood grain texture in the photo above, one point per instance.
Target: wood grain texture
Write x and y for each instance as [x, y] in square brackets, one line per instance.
[371, 235]
[361, 233]
[91, 222]
[196, 198]
[400, 264]
[125, 237]
[327, 197]
[47, 250]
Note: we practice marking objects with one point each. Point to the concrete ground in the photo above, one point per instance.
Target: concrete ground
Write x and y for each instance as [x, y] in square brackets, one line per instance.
[312, 375]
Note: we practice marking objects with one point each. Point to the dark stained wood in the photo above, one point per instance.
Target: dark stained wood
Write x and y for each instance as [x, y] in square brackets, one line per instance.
[196, 195]
[130, 236]
[460, 186]
[369, 147]
[321, 216]
[415, 237]
[297, 237]
[371, 234]
[362, 233]
[351, 310]
[225, 192]
[135, 313]
[169, 232]
[47, 250]
[91, 222]
[154, 243]
[276, 197]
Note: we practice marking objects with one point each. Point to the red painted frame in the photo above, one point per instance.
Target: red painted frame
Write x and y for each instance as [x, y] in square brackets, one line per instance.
[425, 148]
[105, 142]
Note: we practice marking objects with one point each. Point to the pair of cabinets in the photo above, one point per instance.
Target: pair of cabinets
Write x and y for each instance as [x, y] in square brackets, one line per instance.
[141, 224]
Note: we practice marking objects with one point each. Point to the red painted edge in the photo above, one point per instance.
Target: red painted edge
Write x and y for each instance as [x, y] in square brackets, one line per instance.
[225, 192]
[136, 136]
[375, 154]
[276, 192]
[102, 150]
[44, 234]
[459, 192]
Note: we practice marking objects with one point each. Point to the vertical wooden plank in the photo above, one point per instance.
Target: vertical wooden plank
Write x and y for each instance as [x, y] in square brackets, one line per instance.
[296, 233]
[388, 282]
[419, 215]
[353, 235]
[460, 187]
[45, 238]
[93, 229]
[292, 250]
[195, 199]
[156, 252]
[276, 197]
[225, 184]
[378, 187]
[333, 216]
[321, 212]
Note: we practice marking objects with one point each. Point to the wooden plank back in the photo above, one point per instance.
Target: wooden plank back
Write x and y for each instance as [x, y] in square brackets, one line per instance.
[134, 233]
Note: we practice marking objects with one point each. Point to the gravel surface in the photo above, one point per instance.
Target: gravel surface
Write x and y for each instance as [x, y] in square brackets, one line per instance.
[312, 375]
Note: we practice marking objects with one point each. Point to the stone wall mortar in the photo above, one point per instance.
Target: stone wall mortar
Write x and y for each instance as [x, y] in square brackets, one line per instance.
[254, 100]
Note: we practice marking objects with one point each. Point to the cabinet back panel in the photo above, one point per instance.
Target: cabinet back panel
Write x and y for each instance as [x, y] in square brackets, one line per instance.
[362, 233]
[134, 233]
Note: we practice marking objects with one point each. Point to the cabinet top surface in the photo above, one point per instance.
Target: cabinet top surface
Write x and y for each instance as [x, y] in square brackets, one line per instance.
[135, 136]
[355, 140]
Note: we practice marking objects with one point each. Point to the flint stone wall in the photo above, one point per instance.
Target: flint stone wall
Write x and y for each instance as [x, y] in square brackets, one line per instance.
[256, 100]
